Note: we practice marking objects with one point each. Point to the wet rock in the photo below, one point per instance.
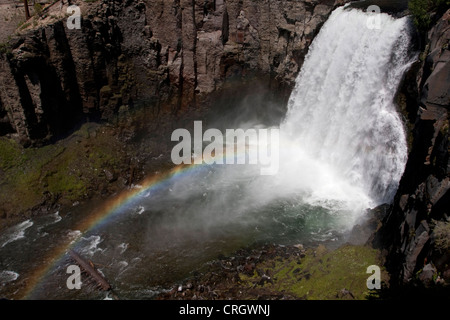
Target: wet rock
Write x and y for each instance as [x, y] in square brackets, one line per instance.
[345, 294]
[249, 267]
[260, 272]
[436, 88]
[427, 274]
[110, 176]
[217, 283]
[446, 275]
[265, 279]
[320, 250]
[423, 193]
[436, 189]
[201, 288]
[414, 249]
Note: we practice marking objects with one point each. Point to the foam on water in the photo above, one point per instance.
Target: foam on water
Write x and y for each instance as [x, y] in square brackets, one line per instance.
[15, 233]
[8, 276]
[89, 246]
[342, 137]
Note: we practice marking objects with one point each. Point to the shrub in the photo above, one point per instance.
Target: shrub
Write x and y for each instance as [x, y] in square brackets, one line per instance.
[422, 11]
[442, 235]
[38, 8]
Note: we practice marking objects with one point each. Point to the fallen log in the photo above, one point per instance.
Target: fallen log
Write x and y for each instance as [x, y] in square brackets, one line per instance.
[104, 285]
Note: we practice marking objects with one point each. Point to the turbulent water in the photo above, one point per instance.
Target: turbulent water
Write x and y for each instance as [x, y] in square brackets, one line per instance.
[341, 113]
[342, 150]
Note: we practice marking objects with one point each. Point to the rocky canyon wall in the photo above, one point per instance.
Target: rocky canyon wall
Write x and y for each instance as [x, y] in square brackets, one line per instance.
[153, 52]
[416, 231]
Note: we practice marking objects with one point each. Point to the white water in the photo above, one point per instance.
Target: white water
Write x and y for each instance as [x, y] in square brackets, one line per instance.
[342, 142]
[342, 150]
[89, 246]
[16, 233]
[344, 139]
[8, 276]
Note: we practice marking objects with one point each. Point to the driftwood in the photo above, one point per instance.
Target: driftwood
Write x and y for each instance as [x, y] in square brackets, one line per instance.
[88, 268]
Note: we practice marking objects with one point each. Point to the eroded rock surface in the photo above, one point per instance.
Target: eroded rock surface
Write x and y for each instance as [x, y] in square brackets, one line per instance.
[152, 52]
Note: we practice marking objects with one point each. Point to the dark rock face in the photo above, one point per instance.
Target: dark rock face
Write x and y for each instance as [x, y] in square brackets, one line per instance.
[390, 6]
[153, 52]
[423, 198]
[5, 123]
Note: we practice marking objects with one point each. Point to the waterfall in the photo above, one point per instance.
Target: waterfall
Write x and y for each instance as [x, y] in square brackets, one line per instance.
[342, 149]
[341, 113]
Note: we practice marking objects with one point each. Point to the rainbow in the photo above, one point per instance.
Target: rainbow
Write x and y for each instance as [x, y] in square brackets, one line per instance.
[104, 214]
[109, 209]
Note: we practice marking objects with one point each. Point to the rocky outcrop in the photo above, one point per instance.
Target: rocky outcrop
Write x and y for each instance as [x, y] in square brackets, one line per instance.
[152, 52]
[12, 14]
[419, 221]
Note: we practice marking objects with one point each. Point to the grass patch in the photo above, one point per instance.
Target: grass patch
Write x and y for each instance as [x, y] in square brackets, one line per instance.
[25, 25]
[10, 152]
[5, 48]
[441, 233]
[67, 171]
[21, 186]
[322, 275]
[66, 184]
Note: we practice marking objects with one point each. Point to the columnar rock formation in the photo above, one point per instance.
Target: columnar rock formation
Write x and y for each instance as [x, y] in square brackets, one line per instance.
[148, 52]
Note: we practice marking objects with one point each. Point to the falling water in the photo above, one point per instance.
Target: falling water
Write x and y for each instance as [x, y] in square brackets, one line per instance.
[342, 113]
[342, 150]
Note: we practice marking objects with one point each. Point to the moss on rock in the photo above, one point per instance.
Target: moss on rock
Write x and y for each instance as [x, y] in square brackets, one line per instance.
[67, 171]
[322, 274]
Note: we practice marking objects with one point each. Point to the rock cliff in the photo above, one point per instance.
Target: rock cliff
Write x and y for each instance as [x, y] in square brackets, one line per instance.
[152, 52]
[417, 227]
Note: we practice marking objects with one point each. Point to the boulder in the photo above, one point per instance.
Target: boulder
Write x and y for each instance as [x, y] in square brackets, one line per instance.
[427, 274]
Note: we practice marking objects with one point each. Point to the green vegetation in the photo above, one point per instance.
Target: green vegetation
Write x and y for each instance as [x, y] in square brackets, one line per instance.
[67, 171]
[24, 25]
[38, 8]
[4, 48]
[9, 154]
[21, 185]
[422, 11]
[338, 274]
[442, 235]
